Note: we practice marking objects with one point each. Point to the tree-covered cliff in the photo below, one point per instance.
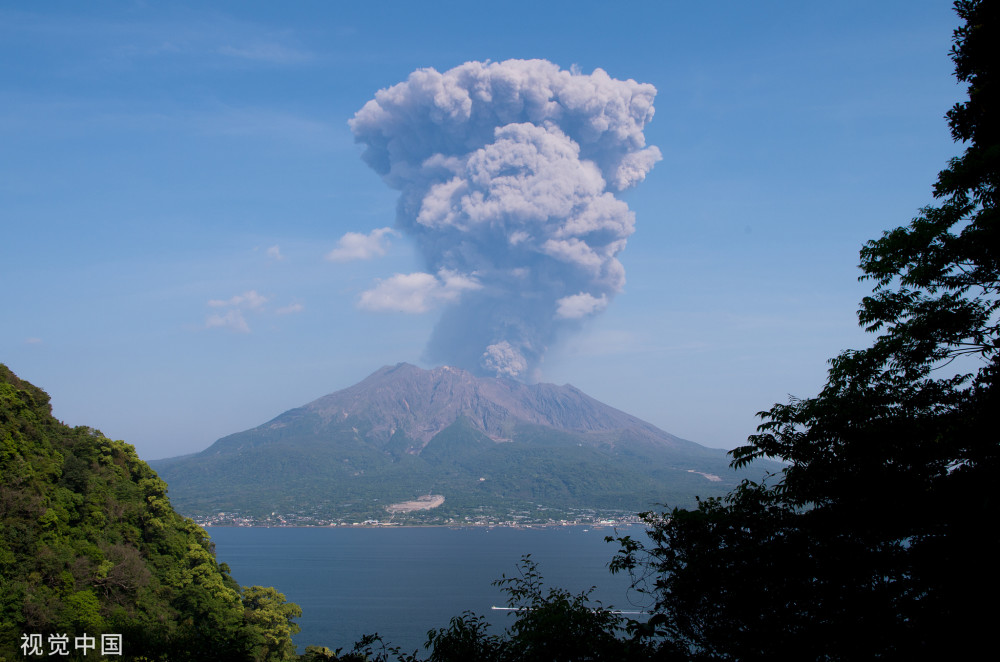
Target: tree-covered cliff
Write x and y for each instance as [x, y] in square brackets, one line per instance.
[90, 546]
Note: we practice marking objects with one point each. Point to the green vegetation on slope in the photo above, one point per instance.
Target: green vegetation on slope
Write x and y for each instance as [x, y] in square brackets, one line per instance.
[89, 544]
[494, 448]
[333, 472]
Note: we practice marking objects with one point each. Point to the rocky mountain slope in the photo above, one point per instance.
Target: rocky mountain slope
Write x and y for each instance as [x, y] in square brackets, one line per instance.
[488, 445]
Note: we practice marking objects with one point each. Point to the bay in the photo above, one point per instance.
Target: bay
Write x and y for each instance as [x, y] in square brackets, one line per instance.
[402, 582]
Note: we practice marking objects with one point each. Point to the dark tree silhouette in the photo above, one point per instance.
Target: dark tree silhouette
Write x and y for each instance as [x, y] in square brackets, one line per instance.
[878, 539]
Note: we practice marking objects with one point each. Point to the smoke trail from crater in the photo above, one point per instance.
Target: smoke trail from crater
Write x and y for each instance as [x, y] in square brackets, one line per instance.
[507, 173]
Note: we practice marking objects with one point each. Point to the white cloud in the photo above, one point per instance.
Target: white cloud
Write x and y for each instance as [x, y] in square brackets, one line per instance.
[634, 166]
[249, 299]
[290, 309]
[575, 251]
[580, 305]
[417, 292]
[231, 319]
[275, 253]
[357, 246]
[33, 341]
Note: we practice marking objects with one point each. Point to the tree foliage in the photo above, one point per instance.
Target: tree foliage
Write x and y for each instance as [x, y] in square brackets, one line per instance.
[90, 545]
[551, 625]
[877, 539]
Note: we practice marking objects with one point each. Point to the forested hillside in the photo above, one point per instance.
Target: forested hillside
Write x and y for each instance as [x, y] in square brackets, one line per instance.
[90, 546]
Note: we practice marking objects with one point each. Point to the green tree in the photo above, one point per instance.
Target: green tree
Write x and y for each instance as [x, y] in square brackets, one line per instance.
[551, 625]
[877, 540]
[89, 544]
[269, 617]
[557, 625]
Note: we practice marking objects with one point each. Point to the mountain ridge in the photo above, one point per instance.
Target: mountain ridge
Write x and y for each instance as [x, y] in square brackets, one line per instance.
[486, 444]
[490, 402]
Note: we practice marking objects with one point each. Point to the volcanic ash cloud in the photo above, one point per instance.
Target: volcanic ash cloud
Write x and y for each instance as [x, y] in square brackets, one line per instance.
[507, 173]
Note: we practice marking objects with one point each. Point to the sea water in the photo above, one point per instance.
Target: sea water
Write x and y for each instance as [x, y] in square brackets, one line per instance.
[402, 582]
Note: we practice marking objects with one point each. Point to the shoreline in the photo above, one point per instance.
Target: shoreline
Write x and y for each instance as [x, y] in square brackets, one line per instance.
[420, 526]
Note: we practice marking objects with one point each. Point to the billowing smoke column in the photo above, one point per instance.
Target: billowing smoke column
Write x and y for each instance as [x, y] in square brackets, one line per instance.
[507, 173]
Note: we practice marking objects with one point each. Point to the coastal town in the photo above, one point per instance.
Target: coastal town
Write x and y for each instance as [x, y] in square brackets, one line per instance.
[523, 519]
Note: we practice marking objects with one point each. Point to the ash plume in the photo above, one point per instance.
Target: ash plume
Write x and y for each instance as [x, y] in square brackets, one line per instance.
[507, 173]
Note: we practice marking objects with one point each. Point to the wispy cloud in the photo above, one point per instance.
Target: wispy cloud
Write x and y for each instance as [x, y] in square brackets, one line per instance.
[258, 122]
[270, 52]
[357, 246]
[249, 299]
[417, 292]
[231, 319]
[234, 310]
[196, 34]
[32, 341]
[275, 253]
[290, 309]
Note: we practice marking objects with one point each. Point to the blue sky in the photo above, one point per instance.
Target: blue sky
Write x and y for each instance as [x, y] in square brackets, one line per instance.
[173, 177]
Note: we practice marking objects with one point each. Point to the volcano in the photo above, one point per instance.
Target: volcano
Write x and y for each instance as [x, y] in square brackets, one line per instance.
[446, 446]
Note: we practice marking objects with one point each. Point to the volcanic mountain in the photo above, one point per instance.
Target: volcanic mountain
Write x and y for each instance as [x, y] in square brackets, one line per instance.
[489, 446]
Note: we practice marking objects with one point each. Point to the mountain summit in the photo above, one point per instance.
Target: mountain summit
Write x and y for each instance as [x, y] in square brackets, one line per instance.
[481, 446]
[421, 403]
